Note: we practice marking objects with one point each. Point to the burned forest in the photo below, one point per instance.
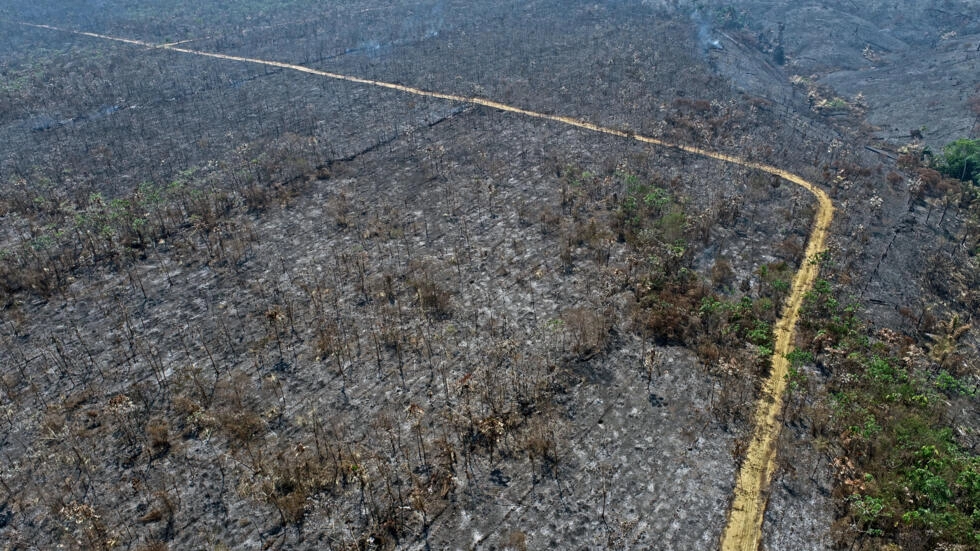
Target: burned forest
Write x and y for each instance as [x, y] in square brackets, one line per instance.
[446, 274]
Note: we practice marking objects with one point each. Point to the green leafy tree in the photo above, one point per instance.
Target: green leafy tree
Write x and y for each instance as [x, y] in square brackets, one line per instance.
[962, 160]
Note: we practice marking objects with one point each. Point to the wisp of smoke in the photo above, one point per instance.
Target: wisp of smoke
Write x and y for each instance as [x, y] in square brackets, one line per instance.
[706, 41]
[426, 24]
[412, 31]
[435, 20]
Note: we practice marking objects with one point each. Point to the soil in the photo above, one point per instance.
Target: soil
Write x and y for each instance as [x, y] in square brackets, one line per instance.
[413, 324]
[914, 64]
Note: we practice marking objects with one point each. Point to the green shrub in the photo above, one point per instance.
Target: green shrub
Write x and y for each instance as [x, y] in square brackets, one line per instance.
[962, 160]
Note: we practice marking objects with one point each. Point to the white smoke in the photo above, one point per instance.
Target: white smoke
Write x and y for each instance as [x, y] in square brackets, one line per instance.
[706, 39]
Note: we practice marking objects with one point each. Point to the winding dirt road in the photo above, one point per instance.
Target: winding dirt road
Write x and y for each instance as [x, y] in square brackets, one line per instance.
[743, 531]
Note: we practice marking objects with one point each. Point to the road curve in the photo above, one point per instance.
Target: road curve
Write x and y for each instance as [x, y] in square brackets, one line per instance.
[743, 530]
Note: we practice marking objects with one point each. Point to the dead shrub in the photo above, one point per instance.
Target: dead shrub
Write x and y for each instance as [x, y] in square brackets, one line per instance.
[163, 509]
[722, 274]
[792, 247]
[949, 186]
[974, 103]
[930, 179]
[851, 171]
[328, 340]
[584, 232]
[708, 352]
[550, 220]
[486, 433]
[894, 178]
[242, 425]
[292, 506]
[293, 478]
[53, 421]
[435, 300]
[695, 105]
[158, 433]
[339, 208]
[668, 318]
[236, 405]
[542, 449]
[589, 330]
[760, 103]
[909, 161]
[515, 541]
[153, 515]
[257, 198]
[187, 409]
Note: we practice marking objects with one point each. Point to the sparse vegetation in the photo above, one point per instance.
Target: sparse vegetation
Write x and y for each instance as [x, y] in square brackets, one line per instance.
[243, 305]
[903, 478]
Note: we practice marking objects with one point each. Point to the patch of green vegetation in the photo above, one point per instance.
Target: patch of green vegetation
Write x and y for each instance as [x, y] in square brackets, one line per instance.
[774, 281]
[961, 159]
[833, 104]
[68, 234]
[643, 204]
[952, 386]
[735, 323]
[900, 470]
[799, 357]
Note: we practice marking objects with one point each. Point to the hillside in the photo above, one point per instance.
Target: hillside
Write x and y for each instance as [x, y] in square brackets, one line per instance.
[511, 275]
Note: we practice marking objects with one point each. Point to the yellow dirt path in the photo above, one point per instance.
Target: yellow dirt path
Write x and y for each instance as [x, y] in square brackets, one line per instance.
[744, 528]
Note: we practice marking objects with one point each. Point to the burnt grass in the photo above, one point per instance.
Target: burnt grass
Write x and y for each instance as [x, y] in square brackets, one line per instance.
[251, 308]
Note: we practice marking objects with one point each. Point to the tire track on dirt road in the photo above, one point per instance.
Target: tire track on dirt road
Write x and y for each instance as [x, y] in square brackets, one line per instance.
[743, 531]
